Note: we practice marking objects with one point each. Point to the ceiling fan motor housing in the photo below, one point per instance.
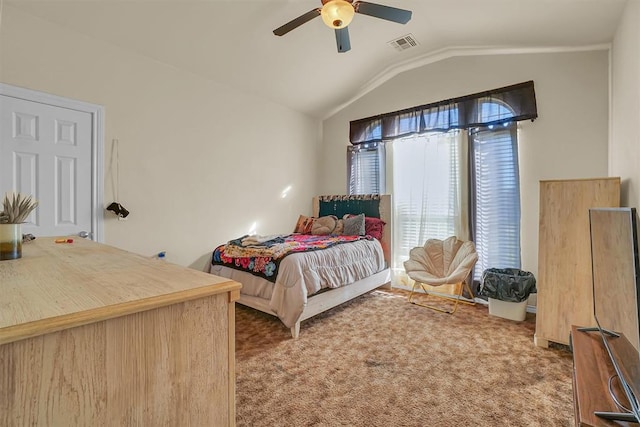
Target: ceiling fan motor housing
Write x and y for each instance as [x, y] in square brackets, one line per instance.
[337, 13]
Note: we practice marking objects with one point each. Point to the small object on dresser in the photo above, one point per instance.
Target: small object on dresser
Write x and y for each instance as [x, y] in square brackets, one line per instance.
[10, 241]
[16, 207]
[64, 240]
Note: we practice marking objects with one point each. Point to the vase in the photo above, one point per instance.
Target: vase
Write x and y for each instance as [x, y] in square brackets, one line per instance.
[10, 241]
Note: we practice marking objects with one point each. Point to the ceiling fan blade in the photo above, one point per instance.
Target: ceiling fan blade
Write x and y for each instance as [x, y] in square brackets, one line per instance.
[295, 23]
[342, 39]
[389, 13]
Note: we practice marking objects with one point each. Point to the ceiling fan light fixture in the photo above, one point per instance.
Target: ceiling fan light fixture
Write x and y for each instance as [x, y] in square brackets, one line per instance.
[337, 13]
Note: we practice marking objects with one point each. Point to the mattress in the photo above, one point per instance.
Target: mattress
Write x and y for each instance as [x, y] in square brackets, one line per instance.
[301, 275]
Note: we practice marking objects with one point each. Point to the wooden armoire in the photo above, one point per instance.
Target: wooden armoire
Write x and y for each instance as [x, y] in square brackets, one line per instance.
[565, 295]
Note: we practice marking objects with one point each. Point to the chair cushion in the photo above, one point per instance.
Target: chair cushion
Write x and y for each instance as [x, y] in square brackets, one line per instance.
[429, 279]
[441, 262]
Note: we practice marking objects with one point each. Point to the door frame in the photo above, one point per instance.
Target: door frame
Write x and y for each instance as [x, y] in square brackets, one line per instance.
[97, 144]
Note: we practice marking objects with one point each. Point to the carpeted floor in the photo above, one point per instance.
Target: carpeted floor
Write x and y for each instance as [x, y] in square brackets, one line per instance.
[380, 361]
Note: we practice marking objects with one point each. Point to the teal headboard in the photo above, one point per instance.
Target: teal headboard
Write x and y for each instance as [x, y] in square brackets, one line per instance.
[341, 205]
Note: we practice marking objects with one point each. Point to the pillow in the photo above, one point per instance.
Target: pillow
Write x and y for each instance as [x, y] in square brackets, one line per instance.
[353, 225]
[374, 227]
[339, 227]
[324, 225]
[304, 225]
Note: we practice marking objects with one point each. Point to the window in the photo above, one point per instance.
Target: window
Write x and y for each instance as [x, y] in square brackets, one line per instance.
[495, 197]
[426, 188]
[428, 183]
[493, 111]
[443, 185]
[366, 169]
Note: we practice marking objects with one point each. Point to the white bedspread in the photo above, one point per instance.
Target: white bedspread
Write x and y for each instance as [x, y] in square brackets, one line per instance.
[303, 274]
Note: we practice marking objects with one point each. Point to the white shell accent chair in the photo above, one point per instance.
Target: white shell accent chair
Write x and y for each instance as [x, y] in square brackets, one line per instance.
[442, 262]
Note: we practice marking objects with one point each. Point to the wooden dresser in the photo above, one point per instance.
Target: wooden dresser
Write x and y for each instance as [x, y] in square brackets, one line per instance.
[91, 335]
[565, 292]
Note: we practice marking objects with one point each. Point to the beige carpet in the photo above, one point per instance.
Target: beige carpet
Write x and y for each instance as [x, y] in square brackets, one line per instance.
[380, 361]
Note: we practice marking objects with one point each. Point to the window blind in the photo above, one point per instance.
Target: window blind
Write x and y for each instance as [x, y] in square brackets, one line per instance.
[366, 169]
[495, 197]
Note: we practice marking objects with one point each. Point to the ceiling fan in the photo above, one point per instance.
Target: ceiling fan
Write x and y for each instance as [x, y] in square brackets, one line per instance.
[337, 14]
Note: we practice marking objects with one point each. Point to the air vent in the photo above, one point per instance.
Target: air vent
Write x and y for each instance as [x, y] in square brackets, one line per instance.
[404, 42]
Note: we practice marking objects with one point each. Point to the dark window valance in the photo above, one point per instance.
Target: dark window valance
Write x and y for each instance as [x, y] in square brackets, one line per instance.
[508, 104]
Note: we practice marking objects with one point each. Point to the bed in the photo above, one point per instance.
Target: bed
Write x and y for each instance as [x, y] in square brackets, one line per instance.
[309, 283]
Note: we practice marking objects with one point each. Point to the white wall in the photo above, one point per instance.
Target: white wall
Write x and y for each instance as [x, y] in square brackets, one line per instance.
[568, 140]
[200, 162]
[625, 105]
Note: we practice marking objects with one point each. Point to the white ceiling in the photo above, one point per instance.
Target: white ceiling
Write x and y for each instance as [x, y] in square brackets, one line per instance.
[231, 41]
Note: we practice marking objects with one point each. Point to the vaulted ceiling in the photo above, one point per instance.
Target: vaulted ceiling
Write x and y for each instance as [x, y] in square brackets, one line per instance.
[231, 41]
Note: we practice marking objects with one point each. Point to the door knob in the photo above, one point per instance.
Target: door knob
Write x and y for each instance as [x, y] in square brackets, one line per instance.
[84, 234]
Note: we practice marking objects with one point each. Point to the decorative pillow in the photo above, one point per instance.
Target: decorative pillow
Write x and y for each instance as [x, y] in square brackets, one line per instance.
[339, 227]
[324, 225]
[304, 225]
[374, 227]
[353, 225]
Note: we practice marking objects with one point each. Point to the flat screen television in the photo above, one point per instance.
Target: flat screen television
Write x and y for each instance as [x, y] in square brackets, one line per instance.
[616, 301]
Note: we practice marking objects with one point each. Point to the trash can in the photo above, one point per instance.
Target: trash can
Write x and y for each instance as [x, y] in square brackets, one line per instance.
[507, 290]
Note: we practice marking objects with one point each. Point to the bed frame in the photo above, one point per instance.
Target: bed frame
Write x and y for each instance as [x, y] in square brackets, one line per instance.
[323, 301]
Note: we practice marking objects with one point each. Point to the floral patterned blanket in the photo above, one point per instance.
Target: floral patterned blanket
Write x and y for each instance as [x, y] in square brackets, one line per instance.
[264, 262]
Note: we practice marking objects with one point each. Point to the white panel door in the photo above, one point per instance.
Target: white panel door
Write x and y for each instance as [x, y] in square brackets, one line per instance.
[45, 151]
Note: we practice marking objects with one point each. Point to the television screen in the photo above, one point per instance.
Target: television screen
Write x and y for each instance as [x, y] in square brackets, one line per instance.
[614, 257]
[615, 268]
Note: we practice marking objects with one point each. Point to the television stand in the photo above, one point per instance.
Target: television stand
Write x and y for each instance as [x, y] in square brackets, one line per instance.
[592, 369]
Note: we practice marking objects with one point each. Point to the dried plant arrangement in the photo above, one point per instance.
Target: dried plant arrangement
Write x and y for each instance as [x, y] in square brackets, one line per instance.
[16, 208]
